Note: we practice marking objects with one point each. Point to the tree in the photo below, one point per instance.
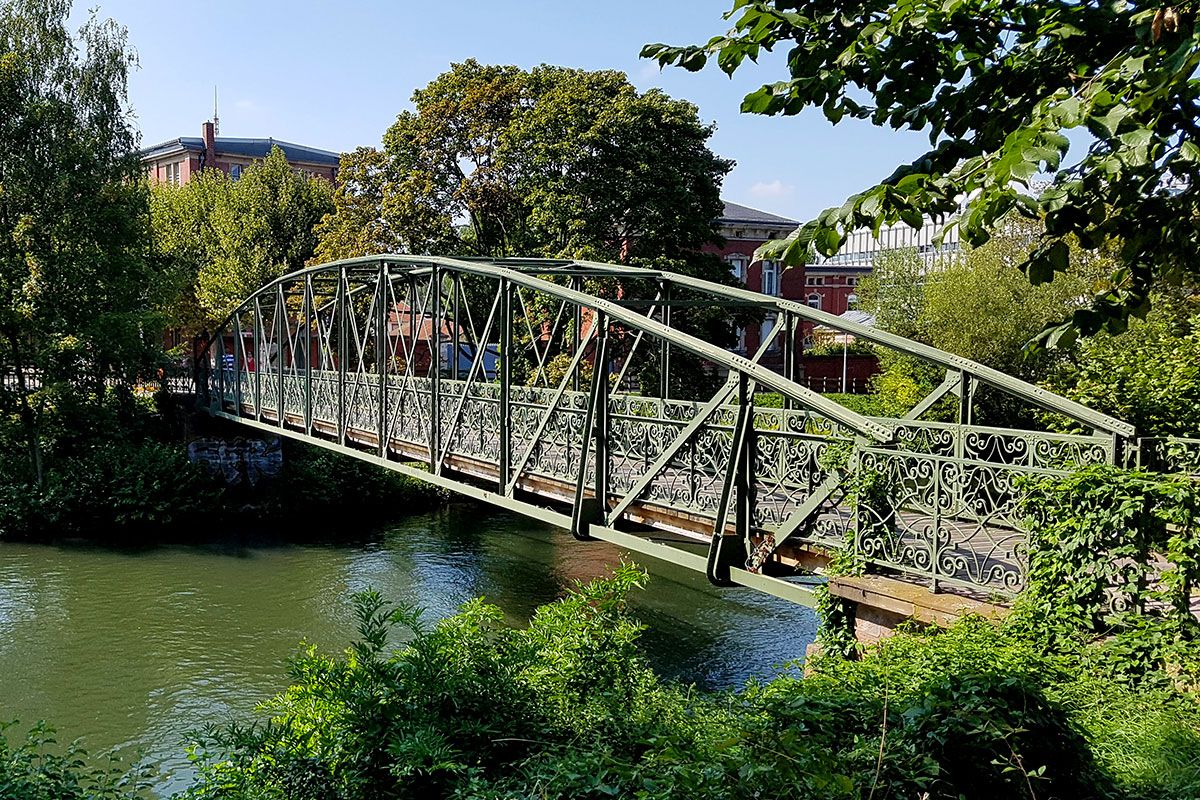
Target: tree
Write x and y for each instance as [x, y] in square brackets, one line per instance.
[76, 283]
[978, 305]
[550, 161]
[1148, 376]
[894, 292]
[369, 217]
[236, 235]
[996, 84]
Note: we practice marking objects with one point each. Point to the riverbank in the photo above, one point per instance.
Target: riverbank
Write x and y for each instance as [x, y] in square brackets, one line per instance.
[570, 706]
[119, 472]
[136, 648]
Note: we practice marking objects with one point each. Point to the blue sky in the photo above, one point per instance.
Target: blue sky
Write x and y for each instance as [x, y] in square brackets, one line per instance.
[335, 75]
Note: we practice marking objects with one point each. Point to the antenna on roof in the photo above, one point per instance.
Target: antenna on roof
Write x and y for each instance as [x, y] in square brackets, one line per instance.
[216, 119]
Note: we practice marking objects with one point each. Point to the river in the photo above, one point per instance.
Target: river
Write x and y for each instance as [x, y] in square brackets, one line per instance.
[133, 649]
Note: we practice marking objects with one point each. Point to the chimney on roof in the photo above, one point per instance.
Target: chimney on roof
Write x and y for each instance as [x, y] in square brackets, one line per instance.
[208, 132]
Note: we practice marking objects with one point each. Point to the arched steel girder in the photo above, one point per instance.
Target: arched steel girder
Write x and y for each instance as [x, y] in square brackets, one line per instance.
[954, 364]
[527, 273]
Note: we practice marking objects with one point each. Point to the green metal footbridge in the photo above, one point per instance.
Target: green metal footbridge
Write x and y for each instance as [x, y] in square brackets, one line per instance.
[558, 389]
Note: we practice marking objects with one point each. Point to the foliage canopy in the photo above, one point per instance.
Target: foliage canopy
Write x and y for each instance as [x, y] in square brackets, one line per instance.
[997, 86]
[229, 237]
[77, 285]
[500, 161]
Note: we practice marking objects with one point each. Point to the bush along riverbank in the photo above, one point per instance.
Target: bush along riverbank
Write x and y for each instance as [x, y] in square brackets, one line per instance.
[568, 708]
[116, 470]
[1090, 688]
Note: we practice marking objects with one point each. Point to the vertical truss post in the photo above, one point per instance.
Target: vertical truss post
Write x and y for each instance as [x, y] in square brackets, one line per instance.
[789, 352]
[587, 510]
[220, 368]
[966, 393]
[310, 313]
[435, 385]
[577, 334]
[456, 331]
[664, 355]
[601, 386]
[381, 362]
[506, 365]
[738, 486]
[936, 538]
[239, 363]
[744, 475]
[257, 345]
[280, 338]
[966, 396]
[340, 307]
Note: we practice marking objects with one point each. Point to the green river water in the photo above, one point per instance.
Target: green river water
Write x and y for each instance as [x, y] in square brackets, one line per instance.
[132, 650]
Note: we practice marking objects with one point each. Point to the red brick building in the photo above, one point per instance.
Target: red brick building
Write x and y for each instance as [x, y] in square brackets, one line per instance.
[177, 160]
[746, 229]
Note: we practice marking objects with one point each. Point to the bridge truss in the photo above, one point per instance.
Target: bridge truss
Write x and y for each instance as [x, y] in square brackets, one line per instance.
[566, 391]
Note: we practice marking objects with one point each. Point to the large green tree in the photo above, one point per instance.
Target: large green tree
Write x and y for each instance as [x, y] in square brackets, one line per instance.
[498, 161]
[235, 235]
[1149, 375]
[76, 282]
[997, 85]
[975, 304]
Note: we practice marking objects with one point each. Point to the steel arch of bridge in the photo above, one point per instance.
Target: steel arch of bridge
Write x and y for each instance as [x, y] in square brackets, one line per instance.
[545, 387]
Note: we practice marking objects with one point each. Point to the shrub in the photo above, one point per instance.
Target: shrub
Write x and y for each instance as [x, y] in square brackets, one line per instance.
[38, 769]
[568, 708]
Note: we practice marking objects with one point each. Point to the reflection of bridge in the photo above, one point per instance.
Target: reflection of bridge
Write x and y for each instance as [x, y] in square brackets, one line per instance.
[478, 376]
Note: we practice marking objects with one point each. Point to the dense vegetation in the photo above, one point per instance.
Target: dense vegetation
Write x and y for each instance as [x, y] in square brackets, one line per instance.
[979, 305]
[118, 471]
[996, 86]
[1087, 690]
[568, 708]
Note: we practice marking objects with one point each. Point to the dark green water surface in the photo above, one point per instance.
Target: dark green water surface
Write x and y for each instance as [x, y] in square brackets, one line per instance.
[134, 649]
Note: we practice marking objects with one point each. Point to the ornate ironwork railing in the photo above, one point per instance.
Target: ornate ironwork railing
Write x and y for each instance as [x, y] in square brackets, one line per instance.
[507, 382]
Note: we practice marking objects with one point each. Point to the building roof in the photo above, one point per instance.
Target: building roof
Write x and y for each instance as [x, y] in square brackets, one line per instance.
[735, 214]
[247, 148]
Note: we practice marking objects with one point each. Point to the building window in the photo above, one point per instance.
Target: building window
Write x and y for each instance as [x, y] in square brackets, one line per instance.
[852, 281]
[770, 278]
[766, 331]
[737, 267]
[173, 173]
[814, 301]
[852, 301]
[235, 171]
[815, 280]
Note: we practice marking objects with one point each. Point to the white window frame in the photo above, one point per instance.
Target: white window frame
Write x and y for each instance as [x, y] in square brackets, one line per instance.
[814, 301]
[814, 280]
[737, 266]
[770, 278]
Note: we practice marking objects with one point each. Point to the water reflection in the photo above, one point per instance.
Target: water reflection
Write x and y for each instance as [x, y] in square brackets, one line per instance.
[136, 649]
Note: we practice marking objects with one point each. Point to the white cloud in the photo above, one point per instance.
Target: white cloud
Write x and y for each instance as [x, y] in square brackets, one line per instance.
[773, 190]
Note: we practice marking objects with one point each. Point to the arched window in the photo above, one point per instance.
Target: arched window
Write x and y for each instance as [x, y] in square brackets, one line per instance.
[814, 301]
